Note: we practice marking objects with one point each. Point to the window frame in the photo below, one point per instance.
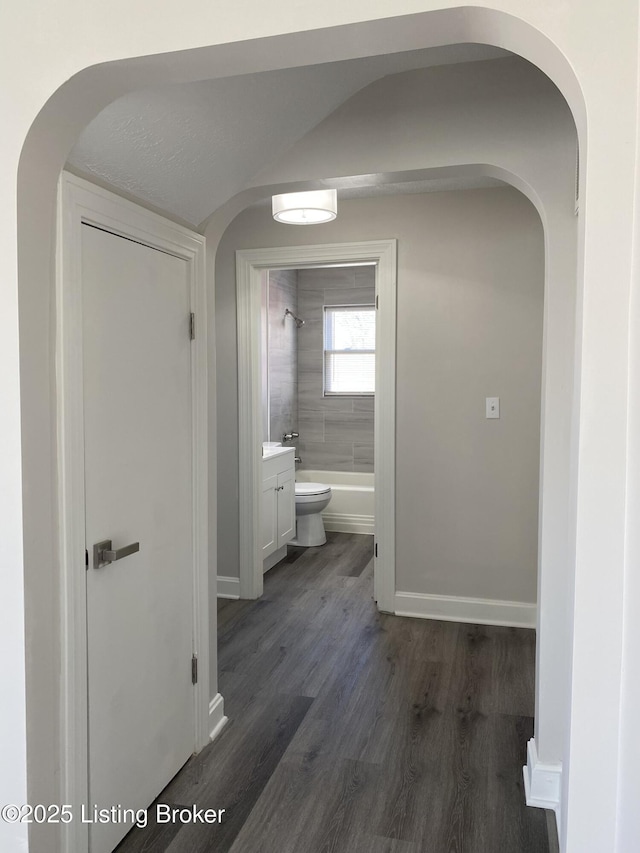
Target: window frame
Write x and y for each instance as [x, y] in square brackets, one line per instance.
[353, 306]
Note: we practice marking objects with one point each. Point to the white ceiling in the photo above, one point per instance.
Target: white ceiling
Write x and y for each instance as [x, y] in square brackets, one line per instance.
[187, 149]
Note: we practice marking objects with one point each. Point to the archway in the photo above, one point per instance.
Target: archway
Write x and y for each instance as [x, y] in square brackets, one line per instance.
[553, 198]
[49, 140]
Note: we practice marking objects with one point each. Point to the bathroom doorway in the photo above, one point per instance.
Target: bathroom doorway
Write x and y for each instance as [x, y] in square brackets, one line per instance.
[318, 389]
[316, 364]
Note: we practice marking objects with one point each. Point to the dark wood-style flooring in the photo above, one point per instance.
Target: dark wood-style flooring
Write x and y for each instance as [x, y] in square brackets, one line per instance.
[351, 731]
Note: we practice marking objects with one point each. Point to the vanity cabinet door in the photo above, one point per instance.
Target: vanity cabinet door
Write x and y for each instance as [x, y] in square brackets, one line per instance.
[286, 507]
[270, 495]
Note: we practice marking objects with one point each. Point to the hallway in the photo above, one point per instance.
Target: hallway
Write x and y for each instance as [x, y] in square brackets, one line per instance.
[356, 732]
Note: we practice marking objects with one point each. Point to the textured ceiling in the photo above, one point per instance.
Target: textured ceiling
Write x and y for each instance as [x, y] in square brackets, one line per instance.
[187, 149]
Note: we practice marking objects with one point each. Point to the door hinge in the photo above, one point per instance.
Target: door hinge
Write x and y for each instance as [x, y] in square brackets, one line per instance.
[192, 326]
[86, 559]
[375, 549]
[377, 306]
[194, 669]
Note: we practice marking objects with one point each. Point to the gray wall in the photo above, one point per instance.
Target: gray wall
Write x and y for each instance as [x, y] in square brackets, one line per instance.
[469, 326]
[336, 433]
[282, 354]
[470, 296]
[507, 120]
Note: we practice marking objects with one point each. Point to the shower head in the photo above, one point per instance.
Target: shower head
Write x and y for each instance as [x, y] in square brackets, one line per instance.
[299, 322]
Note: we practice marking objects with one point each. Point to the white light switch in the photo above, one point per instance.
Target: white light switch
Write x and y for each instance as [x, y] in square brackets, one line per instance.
[493, 407]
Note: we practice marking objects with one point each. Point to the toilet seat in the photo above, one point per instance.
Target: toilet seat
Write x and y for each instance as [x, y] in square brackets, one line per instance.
[309, 489]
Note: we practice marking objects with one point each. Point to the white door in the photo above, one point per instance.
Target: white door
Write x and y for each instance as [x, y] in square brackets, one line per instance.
[286, 507]
[138, 463]
[269, 515]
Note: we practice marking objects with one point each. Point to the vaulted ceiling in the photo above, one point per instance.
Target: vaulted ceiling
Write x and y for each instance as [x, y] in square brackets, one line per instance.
[188, 149]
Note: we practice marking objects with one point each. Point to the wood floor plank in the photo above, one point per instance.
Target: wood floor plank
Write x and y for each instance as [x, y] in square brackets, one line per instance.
[513, 659]
[365, 843]
[234, 773]
[230, 610]
[287, 808]
[359, 559]
[514, 828]
[552, 830]
[252, 632]
[291, 817]
[413, 796]
[353, 731]
[150, 838]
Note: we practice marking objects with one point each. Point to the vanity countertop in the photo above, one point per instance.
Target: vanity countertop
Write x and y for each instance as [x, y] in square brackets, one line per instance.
[270, 452]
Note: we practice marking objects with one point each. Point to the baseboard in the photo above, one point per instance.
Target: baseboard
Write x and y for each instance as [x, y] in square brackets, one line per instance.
[542, 782]
[217, 719]
[273, 559]
[480, 611]
[339, 522]
[228, 587]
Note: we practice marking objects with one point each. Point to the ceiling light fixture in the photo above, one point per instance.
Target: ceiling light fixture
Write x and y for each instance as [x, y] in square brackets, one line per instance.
[309, 208]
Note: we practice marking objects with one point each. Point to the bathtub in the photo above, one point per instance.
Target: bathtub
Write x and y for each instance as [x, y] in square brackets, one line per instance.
[351, 509]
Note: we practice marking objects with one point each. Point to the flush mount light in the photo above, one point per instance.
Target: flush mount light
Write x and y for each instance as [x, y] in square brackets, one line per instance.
[309, 208]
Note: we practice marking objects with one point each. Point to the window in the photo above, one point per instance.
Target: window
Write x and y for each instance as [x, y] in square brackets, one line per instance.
[349, 349]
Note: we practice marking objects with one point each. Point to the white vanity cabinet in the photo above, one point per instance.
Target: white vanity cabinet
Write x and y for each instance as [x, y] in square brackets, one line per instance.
[278, 504]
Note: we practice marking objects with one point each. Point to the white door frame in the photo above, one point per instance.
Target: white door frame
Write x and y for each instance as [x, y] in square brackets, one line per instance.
[81, 202]
[250, 266]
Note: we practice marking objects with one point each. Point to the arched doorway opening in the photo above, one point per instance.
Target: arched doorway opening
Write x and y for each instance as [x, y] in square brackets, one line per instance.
[49, 141]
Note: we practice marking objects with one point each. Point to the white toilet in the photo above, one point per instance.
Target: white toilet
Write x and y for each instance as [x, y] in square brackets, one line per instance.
[311, 499]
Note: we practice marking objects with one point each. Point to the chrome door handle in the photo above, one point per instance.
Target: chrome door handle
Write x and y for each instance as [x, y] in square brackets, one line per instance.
[103, 553]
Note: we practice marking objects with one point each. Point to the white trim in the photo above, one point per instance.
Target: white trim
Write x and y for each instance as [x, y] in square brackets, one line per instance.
[274, 558]
[479, 611]
[80, 201]
[228, 587]
[74, 732]
[250, 266]
[249, 280]
[542, 783]
[217, 719]
[195, 247]
[384, 578]
[341, 522]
